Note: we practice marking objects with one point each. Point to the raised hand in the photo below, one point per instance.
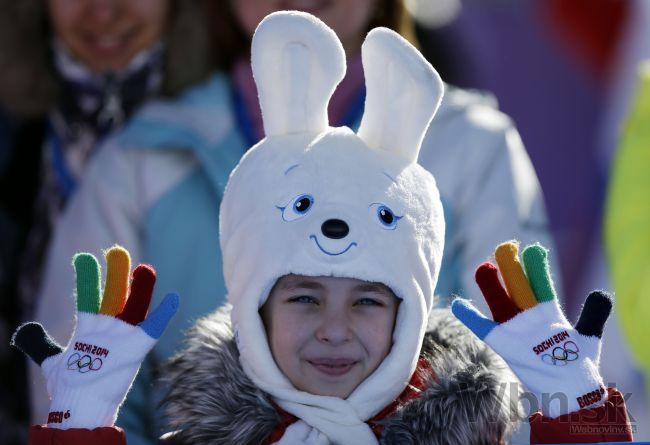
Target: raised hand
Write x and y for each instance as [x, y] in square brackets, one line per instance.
[554, 360]
[88, 380]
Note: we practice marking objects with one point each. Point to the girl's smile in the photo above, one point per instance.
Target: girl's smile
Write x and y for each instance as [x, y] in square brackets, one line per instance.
[329, 334]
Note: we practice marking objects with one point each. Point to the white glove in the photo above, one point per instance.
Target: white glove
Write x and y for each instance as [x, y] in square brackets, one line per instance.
[555, 361]
[88, 380]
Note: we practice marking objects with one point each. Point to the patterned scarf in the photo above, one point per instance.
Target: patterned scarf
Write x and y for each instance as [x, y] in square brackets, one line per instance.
[91, 106]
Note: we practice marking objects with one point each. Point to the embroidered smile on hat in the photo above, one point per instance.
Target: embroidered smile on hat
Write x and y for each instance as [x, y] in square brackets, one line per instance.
[314, 200]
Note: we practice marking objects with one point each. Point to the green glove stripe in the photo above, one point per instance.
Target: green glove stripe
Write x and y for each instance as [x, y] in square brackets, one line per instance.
[537, 270]
[88, 278]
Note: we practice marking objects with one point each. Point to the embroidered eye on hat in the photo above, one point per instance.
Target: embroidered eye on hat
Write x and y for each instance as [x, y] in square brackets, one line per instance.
[314, 200]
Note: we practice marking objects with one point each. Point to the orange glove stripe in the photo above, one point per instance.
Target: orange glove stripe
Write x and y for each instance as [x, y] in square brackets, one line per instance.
[507, 256]
[118, 264]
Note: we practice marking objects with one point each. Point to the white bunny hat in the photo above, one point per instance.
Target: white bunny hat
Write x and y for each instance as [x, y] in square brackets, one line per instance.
[314, 200]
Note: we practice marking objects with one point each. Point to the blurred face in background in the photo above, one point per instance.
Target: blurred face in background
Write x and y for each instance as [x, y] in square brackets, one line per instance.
[349, 19]
[106, 34]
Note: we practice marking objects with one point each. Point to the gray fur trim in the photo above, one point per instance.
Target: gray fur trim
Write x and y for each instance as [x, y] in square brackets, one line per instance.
[190, 56]
[212, 401]
[468, 401]
[27, 81]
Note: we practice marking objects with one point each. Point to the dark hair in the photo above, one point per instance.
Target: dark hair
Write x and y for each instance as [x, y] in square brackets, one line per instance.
[28, 84]
[232, 42]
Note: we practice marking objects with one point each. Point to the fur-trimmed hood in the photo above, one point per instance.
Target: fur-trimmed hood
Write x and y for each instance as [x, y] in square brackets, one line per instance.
[212, 401]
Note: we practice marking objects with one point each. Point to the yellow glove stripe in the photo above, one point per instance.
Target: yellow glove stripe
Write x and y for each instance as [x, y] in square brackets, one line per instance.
[507, 256]
[118, 264]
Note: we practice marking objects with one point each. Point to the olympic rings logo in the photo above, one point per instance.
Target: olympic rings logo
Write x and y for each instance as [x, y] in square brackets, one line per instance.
[562, 355]
[84, 363]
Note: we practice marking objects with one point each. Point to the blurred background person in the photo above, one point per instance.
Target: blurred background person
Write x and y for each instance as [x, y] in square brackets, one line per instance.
[72, 72]
[627, 226]
[566, 71]
[623, 152]
[549, 63]
[156, 186]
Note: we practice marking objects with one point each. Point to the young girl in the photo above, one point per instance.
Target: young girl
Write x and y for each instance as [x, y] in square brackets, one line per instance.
[332, 243]
[166, 209]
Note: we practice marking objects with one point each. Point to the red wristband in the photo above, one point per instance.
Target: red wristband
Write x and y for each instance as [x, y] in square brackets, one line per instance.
[607, 423]
[42, 435]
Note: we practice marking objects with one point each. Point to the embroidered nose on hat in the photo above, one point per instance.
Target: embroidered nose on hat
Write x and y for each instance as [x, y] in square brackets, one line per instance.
[335, 228]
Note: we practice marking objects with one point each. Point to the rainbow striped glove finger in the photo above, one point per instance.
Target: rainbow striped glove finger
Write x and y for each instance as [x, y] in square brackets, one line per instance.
[88, 380]
[557, 362]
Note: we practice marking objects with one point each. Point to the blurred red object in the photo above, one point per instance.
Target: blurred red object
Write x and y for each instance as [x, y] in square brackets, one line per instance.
[591, 29]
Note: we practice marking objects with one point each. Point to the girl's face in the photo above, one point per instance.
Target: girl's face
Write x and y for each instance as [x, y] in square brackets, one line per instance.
[106, 34]
[328, 334]
[348, 19]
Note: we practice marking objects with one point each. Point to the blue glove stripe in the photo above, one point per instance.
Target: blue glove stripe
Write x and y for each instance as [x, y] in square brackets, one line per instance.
[472, 318]
[154, 325]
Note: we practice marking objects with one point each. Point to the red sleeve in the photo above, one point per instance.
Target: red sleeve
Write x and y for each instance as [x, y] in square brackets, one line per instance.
[42, 435]
[607, 423]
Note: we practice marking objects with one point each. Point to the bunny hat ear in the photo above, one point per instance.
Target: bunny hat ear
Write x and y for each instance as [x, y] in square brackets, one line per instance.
[297, 62]
[403, 94]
